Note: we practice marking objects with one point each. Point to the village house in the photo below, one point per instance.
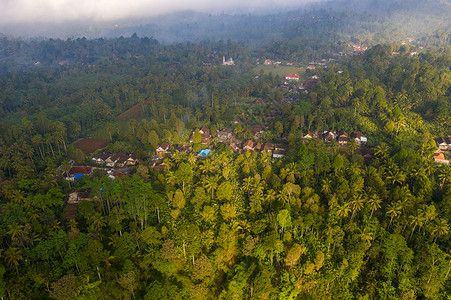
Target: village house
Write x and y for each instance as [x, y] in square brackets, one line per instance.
[308, 135]
[280, 147]
[111, 161]
[343, 138]
[309, 84]
[203, 130]
[76, 172]
[268, 147]
[162, 149]
[205, 136]
[101, 157]
[76, 197]
[184, 148]
[234, 148]
[131, 160]
[248, 145]
[268, 62]
[439, 158]
[257, 146]
[359, 138]
[329, 136]
[292, 77]
[224, 135]
[278, 153]
[122, 161]
[443, 143]
[258, 130]
[118, 174]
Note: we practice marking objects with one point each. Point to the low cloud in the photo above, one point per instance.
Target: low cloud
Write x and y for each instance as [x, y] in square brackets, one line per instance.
[51, 11]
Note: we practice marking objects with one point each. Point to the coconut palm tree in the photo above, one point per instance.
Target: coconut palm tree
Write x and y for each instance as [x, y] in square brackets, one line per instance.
[12, 257]
[394, 210]
[440, 228]
[356, 204]
[374, 203]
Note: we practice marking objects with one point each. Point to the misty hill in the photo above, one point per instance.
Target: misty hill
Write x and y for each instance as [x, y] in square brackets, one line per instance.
[372, 21]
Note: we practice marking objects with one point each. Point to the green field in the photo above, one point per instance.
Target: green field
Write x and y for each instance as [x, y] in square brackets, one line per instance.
[279, 70]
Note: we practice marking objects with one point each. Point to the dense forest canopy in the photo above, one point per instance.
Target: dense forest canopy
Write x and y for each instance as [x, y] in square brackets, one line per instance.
[206, 217]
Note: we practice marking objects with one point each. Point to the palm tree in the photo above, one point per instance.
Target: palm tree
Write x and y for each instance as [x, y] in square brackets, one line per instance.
[417, 220]
[343, 211]
[356, 205]
[207, 167]
[211, 183]
[374, 203]
[270, 197]
[382, 150]
[12, 257]
[167, 164]
[445, 176]
[133, 124]
[394, 210]
[441, 228]
[72, 224]
[326, 187]
[192, 159]
[396, 176]
[366, 235]
[171, 178]
[15, 230]
[98, 222]
[247, 185]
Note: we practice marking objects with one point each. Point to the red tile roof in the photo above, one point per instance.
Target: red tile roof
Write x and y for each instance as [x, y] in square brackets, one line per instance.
[80, 170]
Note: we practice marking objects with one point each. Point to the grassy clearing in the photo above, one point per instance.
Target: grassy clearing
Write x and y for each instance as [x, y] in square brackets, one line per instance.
[282, 71]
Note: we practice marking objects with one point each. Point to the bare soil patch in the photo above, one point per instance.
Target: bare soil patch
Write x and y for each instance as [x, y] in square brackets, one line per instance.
[88, 146]
[132, 112]
[71, 211]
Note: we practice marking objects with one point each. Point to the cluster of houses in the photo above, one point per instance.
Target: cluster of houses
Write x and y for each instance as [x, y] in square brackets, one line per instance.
[165, 148]
[277, 150]
[76, 172]
[341, 137]
[309, 84]
[204, 133]
[271, 62]
[358, 48]
[119, 159]
[443, 144]
[292, 77]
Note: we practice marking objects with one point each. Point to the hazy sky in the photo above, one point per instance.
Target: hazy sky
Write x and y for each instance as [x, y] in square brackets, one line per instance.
[19, 11]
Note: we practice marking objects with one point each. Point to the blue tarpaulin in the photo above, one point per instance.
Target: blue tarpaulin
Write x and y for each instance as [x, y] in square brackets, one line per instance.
[204, 152]
[78, 176]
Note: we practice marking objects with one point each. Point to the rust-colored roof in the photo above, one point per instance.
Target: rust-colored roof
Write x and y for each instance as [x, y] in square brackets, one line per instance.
[121, 175]
[268, 147]
[248, 143]
[439, 156]
[164, 146]
[80, 170]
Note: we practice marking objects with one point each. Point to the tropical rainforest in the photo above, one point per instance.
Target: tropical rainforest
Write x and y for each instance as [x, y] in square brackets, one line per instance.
[322, 222]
